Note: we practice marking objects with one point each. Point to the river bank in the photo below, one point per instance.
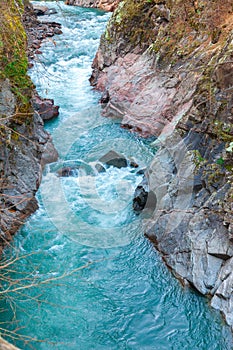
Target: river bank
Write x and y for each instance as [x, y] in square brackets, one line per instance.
[124, 297]
[25, 146]
[167, 71]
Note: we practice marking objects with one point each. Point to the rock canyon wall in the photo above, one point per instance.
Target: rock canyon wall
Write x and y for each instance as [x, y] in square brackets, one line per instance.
[166, 69]
[25, 147]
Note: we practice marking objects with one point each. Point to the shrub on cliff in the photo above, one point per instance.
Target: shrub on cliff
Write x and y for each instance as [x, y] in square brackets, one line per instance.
[13, 56]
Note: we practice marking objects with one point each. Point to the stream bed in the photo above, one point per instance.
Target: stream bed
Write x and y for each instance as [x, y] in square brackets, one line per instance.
[83, 276]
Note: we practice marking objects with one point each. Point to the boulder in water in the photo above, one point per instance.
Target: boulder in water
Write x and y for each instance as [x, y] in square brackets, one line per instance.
[133, 164]
[51, 11]
[112, 158]
[43, 10]
[143, 197]
[45, 107]
[40, 10]
[67, 171]
[100, 168]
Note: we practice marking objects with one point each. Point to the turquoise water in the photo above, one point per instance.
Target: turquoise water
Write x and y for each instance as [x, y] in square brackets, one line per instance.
[84, 276]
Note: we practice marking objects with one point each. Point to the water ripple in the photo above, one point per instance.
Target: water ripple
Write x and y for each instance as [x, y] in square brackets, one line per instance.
[125, 298]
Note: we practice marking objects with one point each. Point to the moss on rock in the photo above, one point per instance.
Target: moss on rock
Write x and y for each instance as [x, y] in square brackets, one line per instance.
[13, 56]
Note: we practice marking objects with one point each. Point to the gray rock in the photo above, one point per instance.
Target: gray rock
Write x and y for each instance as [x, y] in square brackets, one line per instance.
[43, 10]
[21, 160]
[7, 99]
[67, 172]
[112, 158]
[45, 107]
[57, 31]
[218, 244]
[140, 198]
[99, 167]
[51, 11]
[223, 296]
[40, 10]
[49, 154]
[192, 224]
[144, 198]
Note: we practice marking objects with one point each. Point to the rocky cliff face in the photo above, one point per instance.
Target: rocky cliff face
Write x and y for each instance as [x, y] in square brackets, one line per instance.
[166, 69]
[24, 144]
[106, 5]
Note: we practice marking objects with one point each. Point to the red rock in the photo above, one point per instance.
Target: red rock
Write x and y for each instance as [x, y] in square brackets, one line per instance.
[106, 5]
[45, 107]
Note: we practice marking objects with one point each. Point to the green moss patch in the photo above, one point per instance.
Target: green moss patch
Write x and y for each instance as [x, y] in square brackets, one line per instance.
[13, 56]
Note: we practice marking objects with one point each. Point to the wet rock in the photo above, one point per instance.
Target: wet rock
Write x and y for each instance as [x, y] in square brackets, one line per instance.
[99, 167]
[37, 31]
[51, 11]
[105, 97]
[40, 10]
[192, 223]
[21, 173]
[140, 198]
[57, 31]
[67, 172]
[53, 24]
[25, 146]
[43, 10]
[141, 172]
[112, 158]
[144, 198]
[45, 107]
[133, 164]
[106, 5]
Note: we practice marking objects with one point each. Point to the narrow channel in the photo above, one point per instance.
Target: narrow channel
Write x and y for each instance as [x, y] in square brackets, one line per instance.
[84, 275]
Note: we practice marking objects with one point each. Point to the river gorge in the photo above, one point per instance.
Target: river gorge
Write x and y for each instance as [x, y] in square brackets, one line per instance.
[83, 275]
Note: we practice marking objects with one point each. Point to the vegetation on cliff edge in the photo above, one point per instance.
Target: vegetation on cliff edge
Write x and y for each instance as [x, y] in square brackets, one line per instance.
[13, 56]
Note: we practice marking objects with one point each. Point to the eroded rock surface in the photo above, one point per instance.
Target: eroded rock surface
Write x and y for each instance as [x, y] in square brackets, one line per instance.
[166, 70]
[25, 147]
[43, 10]
[45, 107]
[112, 158]
[106, 5]
[37, 30]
